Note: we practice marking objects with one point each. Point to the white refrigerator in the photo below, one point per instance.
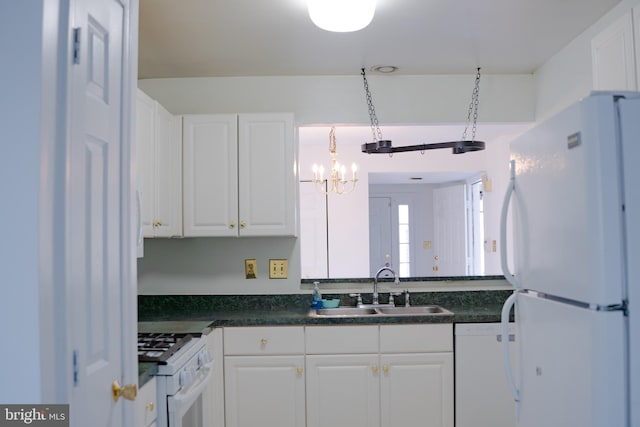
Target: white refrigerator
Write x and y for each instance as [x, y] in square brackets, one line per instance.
[574, 208]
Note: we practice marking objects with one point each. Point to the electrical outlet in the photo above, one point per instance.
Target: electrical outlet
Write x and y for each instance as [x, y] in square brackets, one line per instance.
[278, 268]
[427, 244]
[250, 269]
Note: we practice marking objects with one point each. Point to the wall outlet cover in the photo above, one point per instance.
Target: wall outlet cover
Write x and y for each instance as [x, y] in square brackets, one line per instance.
[250, 269]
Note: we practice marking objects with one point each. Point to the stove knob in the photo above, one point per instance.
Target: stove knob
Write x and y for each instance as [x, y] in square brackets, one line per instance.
[186, 377]
[203, 358]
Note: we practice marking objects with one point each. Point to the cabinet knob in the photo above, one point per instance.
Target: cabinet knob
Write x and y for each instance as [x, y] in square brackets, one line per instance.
[299, 371]
[157, 224]
[385, 369]
[232, 224]
[150, 406]
[243, 224]
[263, 342]
[374, 368]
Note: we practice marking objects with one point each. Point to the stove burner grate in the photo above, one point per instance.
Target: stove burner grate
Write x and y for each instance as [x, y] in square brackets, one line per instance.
[159, 347]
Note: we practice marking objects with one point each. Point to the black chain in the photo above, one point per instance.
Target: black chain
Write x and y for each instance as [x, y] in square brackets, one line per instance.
[473, 108]
[375, 129]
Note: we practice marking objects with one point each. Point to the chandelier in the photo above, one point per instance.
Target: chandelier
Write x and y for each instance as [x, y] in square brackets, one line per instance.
[336, 182]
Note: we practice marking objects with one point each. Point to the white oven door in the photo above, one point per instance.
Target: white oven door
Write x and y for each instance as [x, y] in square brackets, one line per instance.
[187, 407]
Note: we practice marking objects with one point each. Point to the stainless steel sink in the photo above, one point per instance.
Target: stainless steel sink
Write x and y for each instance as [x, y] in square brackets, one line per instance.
[417, 310]
[344, 312]
[383, 310]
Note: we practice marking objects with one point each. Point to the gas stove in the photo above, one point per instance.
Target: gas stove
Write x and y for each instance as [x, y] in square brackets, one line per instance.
[159, 347]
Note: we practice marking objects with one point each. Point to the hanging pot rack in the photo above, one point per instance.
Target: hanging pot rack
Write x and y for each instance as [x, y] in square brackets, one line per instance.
[385, 146]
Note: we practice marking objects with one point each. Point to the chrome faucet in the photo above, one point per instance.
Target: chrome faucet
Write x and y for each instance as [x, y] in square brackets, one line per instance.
[375, 282]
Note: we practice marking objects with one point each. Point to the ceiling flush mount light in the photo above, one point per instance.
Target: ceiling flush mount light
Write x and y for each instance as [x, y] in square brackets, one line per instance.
[341, 16]
[465, 145]
[336, 181]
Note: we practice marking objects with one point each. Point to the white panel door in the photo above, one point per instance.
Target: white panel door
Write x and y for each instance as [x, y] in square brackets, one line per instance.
[343, 390]
[210, 175]
[416, 390]
[450, 254]
[264, 391]
[94, 271]
[267, 182]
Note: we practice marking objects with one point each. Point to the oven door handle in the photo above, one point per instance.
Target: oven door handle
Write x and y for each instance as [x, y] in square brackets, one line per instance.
[181, 401]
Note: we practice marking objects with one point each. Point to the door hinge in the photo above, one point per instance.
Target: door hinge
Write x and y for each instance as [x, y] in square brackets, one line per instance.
[76, 45]
[76, 369]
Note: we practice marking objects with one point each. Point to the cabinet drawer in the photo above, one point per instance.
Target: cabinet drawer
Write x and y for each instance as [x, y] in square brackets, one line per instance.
[341, 339]
[416, 338]
[264, 340]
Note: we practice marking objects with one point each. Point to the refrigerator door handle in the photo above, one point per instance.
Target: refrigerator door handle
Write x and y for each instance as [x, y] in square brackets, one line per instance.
[511, 186]
[506, 356]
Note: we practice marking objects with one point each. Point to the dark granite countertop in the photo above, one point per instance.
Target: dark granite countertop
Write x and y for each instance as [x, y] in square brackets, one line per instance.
[176, 313]
[293, 309]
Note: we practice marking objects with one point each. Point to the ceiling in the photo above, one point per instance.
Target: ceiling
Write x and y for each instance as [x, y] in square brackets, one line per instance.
[215, 38]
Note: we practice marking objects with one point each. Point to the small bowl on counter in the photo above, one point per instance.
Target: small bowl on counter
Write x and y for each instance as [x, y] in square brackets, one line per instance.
[330, 303]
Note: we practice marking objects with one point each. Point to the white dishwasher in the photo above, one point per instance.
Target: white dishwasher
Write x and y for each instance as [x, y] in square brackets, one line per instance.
[482, 394]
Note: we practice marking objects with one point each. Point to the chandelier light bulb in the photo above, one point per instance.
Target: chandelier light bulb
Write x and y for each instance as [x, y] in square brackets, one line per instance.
[341, 16]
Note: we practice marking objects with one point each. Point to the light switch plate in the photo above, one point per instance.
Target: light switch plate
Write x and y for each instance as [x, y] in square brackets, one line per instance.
[278, 268]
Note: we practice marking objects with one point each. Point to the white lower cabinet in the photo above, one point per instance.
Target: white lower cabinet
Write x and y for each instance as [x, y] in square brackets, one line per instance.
[264, 376]
[416, 390]
[339, 376]
[394, 375]
[146, 411]
[343, 390]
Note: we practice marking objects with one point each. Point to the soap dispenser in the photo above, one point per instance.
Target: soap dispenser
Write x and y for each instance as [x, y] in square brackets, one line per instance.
[316, 302]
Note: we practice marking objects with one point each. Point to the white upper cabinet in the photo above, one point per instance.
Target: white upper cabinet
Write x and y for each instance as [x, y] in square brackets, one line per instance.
[239, 175]
[613, 55]
[159, 160]
[210, 175]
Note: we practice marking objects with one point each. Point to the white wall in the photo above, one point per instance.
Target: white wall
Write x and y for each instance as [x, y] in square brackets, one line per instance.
[568, 76]
[341, 99]
[215, 266]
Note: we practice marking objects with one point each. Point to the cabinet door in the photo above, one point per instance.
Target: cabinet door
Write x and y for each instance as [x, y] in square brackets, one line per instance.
[613, 57]
[343, 390]
[145, 136]
[159, 163]
[417, 390]
[167, 174]
[210, 175]
[267, 188]
[146, 410]
[264, 391]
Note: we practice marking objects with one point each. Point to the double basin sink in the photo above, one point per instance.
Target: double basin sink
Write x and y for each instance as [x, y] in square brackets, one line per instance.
[381, 310]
